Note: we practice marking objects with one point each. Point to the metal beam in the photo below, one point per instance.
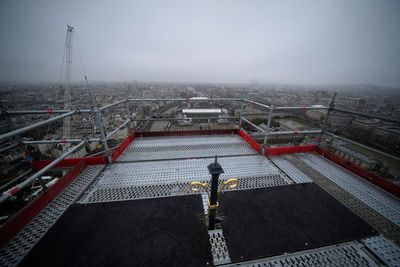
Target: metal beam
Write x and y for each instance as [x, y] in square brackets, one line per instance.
[287, 133]
[301, 108]
[8, 147]
[361, 145]
[256, 103]
[254, 125]
[184, 99]
[117, 129]
[113, 104]
[34, 126]
[58, 141]
[14, 190]
[182, 119]
[366, 115]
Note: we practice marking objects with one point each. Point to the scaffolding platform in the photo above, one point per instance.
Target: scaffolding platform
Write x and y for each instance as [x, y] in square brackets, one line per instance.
[287, 210]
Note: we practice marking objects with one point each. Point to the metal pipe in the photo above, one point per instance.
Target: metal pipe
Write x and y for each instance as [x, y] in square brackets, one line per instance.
[16, 179]
[113, 104]
[97, 117]
[182, 119]
[366, 115]
[256, 103]
[34, 126]
[295, 132]
[323, 126]
[184, 99]
[301, 108]
[48, 111]
[267, 130]
[286, 133]
[361, 145]
[58, 141]
[254, 125]
[11, 192]
[117, 129]
[241, 112]
[8, 147]
[128, 113]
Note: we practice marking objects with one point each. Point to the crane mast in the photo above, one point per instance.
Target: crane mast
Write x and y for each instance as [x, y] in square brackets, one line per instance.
[67, 90]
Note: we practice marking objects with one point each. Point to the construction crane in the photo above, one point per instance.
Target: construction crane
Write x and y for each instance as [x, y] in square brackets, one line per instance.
[67, 90]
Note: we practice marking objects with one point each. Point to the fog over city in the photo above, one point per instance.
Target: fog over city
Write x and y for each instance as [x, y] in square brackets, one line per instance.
[298, 42]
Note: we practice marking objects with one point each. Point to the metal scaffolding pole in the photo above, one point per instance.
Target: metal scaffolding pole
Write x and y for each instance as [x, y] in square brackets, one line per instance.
[323, 127]
[366, 115]
[13, 191]
[58, 141]
[184, 99]
[267, 130]
[117, 129]
[256, 103]
[361, 145]
[241, 112]
[34, 126]
[50, 111]
[301, 108]
[113, 104]
[181, 119]
[254, 125]
[97, 117]
[128, 113]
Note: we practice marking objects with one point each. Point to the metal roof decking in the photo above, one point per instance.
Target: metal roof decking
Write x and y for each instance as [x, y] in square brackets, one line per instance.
[290, 170]
[125, 181]
[371, 195]
[163, 167]
[15, 250]
[185, 147]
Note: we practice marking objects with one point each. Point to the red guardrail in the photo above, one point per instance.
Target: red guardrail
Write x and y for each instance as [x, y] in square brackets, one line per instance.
[256, 146]
[26, 214]
[289, 149]
[379, 181]
[121, 148]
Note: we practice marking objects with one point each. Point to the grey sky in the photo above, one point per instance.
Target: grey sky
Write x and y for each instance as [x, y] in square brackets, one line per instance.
[307, 42]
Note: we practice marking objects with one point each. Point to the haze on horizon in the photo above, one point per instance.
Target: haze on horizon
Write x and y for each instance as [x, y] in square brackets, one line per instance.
[302, 42]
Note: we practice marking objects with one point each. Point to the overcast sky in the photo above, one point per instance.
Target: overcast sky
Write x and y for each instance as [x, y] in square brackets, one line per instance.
[303, 42]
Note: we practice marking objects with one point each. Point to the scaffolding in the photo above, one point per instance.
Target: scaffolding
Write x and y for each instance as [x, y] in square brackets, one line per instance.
[104, 136]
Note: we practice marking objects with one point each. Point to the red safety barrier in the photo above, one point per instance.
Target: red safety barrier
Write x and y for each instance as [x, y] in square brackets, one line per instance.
[289, 150]
[184, 133]
[121, 148]
[377, 180]
[26, 214]
[256, 146]
[65, 163]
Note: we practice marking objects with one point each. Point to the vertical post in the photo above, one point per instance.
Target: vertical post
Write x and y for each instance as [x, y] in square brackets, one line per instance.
[267, 130]
[130, 125]
[324, 123]
[241, 112]
[97, 117]
[215, 170]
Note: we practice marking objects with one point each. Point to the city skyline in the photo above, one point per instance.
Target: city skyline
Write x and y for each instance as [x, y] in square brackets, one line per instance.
[307, 42]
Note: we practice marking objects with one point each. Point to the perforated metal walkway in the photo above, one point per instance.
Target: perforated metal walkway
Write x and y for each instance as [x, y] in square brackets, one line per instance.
[159, 148]
[135, 180]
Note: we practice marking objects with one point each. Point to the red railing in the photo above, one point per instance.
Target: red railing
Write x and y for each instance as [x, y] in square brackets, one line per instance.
[26, 214]
[256, 146]
[379, 181]
[289, 149]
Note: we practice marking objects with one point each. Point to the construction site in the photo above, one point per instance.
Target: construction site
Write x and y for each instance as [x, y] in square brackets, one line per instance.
[209, 191]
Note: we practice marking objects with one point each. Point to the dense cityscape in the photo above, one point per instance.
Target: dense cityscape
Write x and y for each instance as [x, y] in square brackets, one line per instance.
[373, 100]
